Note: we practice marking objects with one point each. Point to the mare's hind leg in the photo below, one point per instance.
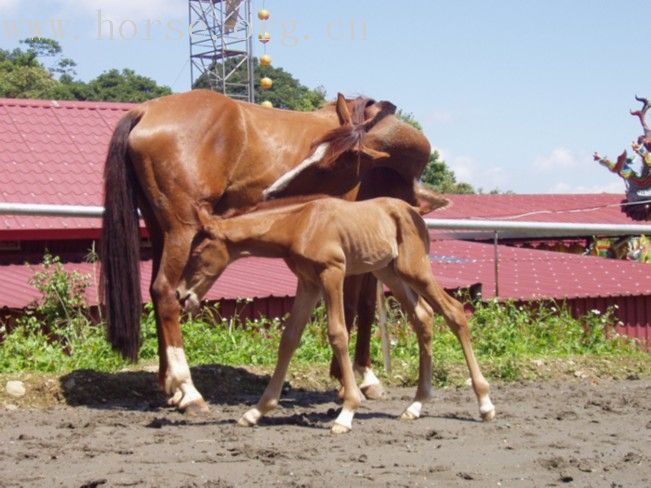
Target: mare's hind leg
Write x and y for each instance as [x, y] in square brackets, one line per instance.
[176, 378]
[306, 298]
[420, 319]
[419, 277]
[367, 301]
[359, 301]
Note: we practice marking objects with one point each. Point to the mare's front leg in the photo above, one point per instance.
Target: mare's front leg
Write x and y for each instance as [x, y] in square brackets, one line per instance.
[174, 372]
[306, 298]
[332, 280]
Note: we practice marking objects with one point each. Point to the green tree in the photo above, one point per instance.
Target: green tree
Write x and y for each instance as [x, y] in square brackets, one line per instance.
[33, 72]
[22, 76]
[287, 92]
[124, 86]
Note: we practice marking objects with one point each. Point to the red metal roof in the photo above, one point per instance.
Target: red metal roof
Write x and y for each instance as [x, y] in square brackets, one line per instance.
[53, 152]
[526, 274]
[602, 208]
[523, 275]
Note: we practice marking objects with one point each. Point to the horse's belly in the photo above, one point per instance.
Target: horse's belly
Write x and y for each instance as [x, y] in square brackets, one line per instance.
[370, 259]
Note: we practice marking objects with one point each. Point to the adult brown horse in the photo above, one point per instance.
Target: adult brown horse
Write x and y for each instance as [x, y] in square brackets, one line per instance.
[201, 147]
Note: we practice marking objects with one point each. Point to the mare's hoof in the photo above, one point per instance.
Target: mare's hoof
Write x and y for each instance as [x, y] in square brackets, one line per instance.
[407, 415]
[339, 429]
[488, 416]
[373, 392]
[196, 408]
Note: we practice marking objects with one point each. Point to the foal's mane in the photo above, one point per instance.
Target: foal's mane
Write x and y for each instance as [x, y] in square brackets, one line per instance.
[350, 136]
[273, 204]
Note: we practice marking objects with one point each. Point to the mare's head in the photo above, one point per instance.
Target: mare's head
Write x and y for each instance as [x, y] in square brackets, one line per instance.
[369, 136]
[209, 257]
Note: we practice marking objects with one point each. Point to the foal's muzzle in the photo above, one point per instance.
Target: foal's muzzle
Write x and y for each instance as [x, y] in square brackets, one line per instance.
[188, 299]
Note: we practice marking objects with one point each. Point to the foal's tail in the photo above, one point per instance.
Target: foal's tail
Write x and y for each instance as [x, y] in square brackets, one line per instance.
[120, 244]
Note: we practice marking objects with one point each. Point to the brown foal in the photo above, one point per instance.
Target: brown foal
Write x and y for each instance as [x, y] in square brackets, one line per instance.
[323, 241]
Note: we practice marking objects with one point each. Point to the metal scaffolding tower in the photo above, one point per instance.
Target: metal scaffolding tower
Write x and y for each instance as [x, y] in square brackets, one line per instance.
[221, 46]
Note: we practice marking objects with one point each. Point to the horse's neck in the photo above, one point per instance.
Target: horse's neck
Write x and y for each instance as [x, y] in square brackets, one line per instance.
[258, 234]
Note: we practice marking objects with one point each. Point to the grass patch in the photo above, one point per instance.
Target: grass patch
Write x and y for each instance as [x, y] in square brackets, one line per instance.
[58, 335]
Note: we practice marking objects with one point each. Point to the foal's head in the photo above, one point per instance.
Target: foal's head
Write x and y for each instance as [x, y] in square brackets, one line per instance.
[208, 258]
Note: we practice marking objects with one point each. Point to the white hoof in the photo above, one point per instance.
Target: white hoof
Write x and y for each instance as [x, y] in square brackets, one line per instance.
[175, 399]
[488, 416]
[340, 429]
[412, 412]
[487, 410]
[250, 418]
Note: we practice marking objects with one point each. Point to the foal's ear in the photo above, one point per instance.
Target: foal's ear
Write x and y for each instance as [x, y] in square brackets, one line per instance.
[203, 215]
[342, 110]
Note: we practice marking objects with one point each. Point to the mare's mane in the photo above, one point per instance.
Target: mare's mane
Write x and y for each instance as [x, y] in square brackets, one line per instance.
[350, 136]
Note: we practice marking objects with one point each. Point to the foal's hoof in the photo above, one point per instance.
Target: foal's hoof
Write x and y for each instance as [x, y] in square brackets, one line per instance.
[339, 429]
[407, 415]
[250, 418]
[196, 408]
[488, 416]
[244, 422]
[373, 392]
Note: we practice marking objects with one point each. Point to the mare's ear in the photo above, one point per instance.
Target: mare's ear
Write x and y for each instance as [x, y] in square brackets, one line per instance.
[342, 110]
[376, 112]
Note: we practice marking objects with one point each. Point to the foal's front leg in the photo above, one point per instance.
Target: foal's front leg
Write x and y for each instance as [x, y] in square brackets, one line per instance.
[332, 281]
[306, 298]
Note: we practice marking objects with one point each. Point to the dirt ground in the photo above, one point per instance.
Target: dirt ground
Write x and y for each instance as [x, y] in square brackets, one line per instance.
[114, 430]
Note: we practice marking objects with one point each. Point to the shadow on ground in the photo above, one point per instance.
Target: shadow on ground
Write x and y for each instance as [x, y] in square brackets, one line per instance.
[140, 390]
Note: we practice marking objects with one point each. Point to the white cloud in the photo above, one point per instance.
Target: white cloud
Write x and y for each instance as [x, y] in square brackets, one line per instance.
[614, 186]
[8, 5]
[559, 159]
[129, 9]
[480, 175]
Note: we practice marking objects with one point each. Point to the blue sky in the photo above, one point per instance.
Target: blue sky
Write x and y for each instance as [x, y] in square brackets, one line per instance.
[515, 94]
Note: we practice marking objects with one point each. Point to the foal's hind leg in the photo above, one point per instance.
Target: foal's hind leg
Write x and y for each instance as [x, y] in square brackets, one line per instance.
[306, 298]
[420, 319]
[420, 279]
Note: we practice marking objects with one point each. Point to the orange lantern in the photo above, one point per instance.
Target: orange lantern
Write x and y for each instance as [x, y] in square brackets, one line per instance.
[267, 104]
[266, 83]
[263, 14]
[264, 37]
[265, 60]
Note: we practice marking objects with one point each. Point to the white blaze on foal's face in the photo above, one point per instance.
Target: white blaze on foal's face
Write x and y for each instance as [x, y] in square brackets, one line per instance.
[283, 182]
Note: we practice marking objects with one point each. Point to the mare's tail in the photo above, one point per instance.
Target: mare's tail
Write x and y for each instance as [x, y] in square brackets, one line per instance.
[120, 244]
